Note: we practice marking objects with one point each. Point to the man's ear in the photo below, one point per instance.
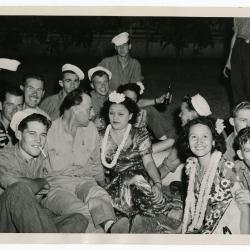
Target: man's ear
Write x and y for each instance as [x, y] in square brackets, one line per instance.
[130, 116]
[239, 153]
[92, 85]
[22, 87]
[231, 121]
[18, 135]
[60, 82]
[130, 46]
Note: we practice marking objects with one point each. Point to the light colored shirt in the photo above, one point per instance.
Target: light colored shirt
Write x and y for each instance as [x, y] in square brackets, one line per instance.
[51, 105]
[243, 172]
[242, 27]
[13, 165]
[120, 76]
[79, 157]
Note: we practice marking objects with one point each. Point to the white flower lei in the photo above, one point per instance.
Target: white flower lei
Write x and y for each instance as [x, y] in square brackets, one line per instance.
[198, 212]
[142, 88]
[120, 147]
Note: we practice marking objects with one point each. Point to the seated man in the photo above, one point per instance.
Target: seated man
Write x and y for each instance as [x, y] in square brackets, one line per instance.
[99, 81]
[74, 152]
[12, 101]
[23, 170]
[70, 80]
[239, 120]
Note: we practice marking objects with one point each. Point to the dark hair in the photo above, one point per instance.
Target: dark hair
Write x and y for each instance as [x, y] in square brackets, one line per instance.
[32, 118]
[240, 106]
[132, 87]
[33, 76]
[11, 90]
[72, 99]
[183, 140]
[242, 138]
[99, 73]
[187, 100]
[130, 105]
[68, 71]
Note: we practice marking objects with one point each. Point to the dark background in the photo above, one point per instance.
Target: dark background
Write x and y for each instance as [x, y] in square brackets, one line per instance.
[188, 52]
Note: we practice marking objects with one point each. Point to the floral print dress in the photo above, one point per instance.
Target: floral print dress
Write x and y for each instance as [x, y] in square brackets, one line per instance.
[220, 195]
[130, 185]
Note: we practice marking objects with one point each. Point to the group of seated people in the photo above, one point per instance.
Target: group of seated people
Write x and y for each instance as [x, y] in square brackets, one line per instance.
[85, 162]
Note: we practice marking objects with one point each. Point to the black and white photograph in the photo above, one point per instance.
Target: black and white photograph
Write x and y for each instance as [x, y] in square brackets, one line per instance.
[124, 125]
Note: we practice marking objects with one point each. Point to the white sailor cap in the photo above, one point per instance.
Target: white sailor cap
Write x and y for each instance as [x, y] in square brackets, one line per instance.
[21, 115]
[9, 64]
[73, 68]
[200, 105]
[99, 68]
[120, 39]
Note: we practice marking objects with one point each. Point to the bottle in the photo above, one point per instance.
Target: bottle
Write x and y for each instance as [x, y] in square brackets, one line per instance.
[6, 140]
[168, 95]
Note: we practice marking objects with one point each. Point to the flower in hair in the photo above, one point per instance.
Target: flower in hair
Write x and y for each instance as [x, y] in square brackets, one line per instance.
[142, 88]
[219, 126]
[116, 97]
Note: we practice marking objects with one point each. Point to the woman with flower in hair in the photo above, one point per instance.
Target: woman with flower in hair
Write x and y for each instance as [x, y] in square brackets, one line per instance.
[147, 117]
[135, 185]
[209, 200]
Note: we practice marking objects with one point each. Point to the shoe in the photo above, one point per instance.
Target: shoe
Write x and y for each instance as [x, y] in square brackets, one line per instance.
[137, 225]
[121, 226]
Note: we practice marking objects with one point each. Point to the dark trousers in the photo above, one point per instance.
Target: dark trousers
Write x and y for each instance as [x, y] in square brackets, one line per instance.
[20, 212]
[240, 71]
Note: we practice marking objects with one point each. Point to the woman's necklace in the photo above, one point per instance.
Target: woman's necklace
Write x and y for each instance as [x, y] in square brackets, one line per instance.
[198, 211]
[120, 147]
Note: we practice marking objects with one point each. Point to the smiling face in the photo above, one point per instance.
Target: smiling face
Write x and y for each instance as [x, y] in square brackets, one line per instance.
[101, 84]
[200, 140]
[33, 92]
[11, 105]
[119, 116]
[32, 137]
[69, 82]
[186, 114]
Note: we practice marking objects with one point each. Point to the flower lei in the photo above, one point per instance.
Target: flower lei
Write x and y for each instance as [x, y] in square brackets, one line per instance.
[142, 88]
[120, 147]
[197, 211]
[116, 97]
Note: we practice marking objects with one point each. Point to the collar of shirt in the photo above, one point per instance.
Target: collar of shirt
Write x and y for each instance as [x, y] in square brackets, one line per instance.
[20, 156]
[61, 95]
[95, 95]
[119, 61]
